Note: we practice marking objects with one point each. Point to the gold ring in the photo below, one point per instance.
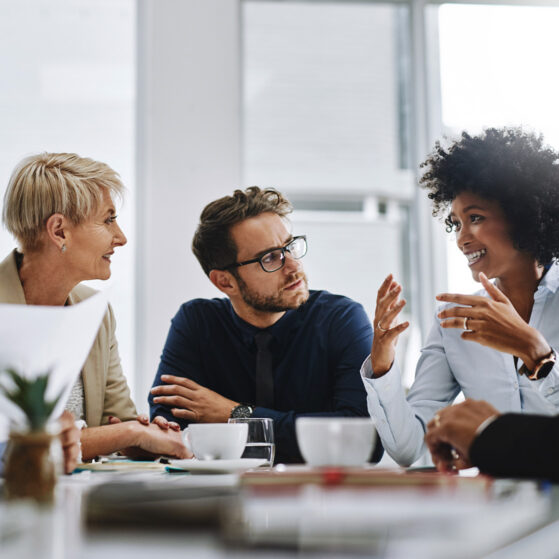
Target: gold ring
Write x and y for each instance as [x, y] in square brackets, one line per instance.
[380, 327]
[466, 323]
[437, 420]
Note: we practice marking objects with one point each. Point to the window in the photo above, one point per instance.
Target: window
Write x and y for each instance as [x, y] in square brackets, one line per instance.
[326, 121]
[505, 77]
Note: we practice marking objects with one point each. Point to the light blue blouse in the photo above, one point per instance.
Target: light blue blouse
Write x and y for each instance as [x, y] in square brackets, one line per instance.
[449, 365]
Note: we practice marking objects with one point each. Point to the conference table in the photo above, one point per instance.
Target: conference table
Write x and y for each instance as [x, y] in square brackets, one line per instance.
[143, 510]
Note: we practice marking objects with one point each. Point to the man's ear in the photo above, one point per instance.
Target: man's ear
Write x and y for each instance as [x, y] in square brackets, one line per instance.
[57, 229]
[224, 281]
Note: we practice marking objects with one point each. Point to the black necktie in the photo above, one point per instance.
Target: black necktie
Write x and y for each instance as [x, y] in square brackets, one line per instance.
[264, 371]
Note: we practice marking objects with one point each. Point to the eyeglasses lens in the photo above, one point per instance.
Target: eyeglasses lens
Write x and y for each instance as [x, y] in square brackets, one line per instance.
[297, 248]
[275, 259]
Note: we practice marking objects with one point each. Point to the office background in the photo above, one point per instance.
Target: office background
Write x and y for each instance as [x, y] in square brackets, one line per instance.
[332, 102]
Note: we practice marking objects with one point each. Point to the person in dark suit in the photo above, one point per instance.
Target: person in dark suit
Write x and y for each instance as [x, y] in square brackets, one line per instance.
[474, 433]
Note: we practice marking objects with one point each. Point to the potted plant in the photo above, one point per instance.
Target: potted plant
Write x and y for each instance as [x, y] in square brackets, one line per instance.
[29, 470]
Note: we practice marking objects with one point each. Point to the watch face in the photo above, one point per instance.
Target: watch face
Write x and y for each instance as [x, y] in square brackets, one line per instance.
[242, 410]
[545, 369]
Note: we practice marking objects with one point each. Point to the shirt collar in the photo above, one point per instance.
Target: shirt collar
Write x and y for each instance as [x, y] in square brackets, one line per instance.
[280, 330]
[551, 279]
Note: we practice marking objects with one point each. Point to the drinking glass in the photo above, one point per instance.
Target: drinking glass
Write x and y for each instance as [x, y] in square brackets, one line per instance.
[260, 440]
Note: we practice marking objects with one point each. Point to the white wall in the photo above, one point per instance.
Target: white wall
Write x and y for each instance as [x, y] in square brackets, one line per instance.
[188, 111]
[68, 86]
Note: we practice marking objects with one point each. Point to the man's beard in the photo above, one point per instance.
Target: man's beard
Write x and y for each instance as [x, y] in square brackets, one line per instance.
[272, 303]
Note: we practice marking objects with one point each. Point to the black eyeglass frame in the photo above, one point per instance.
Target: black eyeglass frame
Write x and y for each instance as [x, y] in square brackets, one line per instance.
[283, 250]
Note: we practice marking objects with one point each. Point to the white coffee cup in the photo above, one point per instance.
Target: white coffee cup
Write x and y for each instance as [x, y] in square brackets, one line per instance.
[335, 441]
[216, 441]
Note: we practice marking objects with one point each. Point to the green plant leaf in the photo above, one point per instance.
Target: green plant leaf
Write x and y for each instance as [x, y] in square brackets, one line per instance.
[29, 396]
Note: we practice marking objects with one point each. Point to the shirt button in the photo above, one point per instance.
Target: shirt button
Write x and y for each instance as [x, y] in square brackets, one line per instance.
[550, 391]
[516, 386]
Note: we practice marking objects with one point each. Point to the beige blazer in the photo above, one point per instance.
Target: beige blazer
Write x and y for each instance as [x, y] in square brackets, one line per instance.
[105, 388]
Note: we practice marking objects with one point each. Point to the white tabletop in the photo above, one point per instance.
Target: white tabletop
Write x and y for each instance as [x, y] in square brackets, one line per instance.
[353, 522]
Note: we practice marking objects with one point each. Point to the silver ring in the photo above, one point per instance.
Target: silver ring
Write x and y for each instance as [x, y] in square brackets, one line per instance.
[466, 323]
[437, 420]
[380, 327]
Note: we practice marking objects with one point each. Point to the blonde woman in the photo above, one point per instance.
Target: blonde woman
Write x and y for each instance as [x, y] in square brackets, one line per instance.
[60, 208]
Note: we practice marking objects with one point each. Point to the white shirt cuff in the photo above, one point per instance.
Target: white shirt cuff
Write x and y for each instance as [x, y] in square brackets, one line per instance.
[484, 424]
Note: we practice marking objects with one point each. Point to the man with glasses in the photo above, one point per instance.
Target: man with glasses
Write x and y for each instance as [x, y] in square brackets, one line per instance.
[271, 348]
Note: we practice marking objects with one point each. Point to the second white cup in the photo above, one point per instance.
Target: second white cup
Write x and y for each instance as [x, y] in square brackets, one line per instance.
[335, 441]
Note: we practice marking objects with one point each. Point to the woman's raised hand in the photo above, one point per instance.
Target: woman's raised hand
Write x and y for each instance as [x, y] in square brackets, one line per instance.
[386, 330]
[494, 322]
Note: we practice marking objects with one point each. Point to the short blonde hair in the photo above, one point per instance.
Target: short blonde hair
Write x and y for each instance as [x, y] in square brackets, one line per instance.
[48, 183]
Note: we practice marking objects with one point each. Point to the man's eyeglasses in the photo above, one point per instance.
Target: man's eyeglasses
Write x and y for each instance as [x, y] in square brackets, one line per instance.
[275, 259]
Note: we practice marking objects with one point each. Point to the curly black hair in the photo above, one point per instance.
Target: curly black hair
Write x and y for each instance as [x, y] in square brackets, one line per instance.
[509, 166]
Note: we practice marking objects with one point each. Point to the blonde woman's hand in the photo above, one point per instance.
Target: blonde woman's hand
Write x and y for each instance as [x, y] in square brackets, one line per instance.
[150, 441]
[159, 420]
[70, 441]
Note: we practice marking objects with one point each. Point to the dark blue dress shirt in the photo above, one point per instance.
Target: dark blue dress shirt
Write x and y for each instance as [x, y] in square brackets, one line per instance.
[317, 352]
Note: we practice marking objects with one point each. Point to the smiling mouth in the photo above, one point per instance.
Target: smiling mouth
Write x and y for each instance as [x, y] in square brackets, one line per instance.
[107, 257]
[474, 257]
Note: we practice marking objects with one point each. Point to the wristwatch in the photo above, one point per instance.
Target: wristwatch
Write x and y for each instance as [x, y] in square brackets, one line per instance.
[542, 369]
[242, 411]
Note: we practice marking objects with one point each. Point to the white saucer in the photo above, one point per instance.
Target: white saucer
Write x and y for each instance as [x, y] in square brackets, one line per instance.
[216, 466]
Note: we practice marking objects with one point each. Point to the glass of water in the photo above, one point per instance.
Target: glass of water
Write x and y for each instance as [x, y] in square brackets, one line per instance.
[260, 440]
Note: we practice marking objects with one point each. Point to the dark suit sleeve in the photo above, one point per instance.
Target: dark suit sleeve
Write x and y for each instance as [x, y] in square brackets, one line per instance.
[519, 445]
[180, 357]
[349, 342]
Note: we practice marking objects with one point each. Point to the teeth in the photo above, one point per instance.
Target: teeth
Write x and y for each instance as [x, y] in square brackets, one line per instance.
[473, 256]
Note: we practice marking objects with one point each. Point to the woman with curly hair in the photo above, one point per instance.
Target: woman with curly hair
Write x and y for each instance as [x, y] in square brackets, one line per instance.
[499, 192]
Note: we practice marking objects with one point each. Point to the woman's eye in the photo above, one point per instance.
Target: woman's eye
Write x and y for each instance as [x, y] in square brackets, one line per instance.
[476, 218]
[111, 219]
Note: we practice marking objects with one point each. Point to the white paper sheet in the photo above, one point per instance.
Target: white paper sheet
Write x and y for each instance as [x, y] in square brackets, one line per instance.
[36, 339]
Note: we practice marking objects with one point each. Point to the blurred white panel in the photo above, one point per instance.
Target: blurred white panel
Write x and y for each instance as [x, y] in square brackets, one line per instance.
[350, 255]
[60, 83]
[322, 99]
